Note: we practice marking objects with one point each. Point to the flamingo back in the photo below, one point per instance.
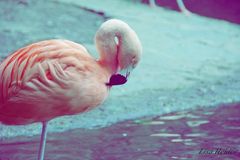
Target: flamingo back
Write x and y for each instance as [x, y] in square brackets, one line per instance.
[48, 71]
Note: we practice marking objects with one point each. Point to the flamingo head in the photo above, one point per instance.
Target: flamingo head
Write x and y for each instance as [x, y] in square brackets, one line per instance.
[127, 59]
[120, 49]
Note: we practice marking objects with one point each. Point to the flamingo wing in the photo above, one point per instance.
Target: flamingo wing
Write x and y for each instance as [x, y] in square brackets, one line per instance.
[39, 62]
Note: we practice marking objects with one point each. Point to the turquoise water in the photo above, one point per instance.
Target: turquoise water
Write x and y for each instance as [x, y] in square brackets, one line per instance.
[187, 61]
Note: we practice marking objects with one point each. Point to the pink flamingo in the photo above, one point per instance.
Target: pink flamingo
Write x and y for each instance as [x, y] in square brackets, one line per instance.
[54, 78]
[180, 4]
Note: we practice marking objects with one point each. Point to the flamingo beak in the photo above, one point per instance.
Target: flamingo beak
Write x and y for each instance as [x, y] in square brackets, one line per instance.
[125, 72]
[119, 79]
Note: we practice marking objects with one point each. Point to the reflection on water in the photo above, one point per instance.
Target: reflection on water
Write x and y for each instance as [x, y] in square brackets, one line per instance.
[179, 135]
[196, 123]
[166, 135]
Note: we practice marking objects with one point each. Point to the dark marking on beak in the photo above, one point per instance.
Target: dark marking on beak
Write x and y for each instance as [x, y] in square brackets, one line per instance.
[117, 79]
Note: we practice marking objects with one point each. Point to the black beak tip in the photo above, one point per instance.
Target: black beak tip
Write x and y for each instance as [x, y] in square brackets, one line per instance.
[117, 79]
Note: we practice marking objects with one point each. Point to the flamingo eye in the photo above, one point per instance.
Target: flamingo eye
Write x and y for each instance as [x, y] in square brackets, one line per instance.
[134, 62]
[134, 59]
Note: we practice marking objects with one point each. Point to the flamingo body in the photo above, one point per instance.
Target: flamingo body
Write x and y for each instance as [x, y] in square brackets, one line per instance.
[54, 78]
[38, 82]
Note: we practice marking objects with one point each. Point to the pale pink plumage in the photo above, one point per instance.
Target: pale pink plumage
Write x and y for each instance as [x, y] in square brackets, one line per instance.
[49, 79]
[53, 78]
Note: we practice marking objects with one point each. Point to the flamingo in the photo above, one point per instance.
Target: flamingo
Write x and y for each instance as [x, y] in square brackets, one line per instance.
[180, 5]
[58, 77]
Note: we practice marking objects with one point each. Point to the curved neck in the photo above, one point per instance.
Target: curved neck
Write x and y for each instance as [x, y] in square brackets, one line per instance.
[108, 47]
